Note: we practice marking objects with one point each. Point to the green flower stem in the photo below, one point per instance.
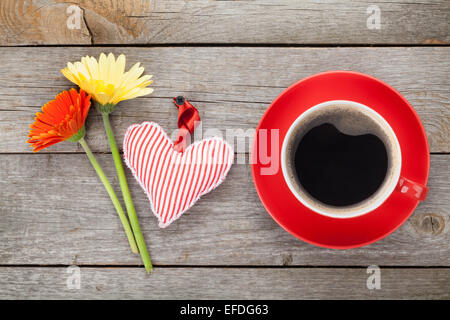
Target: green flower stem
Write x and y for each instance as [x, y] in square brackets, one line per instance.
[112, 195]
[127, 196]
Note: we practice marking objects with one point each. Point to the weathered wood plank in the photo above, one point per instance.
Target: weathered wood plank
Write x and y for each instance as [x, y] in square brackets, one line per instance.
[232, 87]
[223, 283]
[28, 22]
[54, 210]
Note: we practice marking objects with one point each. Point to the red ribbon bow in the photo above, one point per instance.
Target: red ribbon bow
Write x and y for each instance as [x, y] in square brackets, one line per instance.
[188, 120]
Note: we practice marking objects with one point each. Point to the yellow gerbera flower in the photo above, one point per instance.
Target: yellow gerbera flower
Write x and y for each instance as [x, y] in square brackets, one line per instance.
[106, 80]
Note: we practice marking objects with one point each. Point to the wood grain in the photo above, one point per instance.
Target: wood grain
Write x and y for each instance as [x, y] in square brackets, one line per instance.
[232, 87]
[222, 283]
[27, 22]
[54, 210]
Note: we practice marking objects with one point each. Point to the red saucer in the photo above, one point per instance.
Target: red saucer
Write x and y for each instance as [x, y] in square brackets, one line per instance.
[325, 231]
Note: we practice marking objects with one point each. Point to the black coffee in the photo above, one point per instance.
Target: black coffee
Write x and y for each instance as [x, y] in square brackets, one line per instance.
[339, 169]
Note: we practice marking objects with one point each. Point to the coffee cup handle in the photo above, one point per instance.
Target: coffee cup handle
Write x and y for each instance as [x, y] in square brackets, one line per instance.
[412, 189]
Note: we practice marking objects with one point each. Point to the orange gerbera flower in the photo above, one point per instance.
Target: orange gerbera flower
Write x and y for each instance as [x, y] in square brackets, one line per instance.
[61, 119]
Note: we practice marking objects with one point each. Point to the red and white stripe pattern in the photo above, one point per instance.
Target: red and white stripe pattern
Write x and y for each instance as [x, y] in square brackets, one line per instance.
[174, 181]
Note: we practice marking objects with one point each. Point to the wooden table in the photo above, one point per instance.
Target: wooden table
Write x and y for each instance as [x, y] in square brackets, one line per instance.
[231, 58]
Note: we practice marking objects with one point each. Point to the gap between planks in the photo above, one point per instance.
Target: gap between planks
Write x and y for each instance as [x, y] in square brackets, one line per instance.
[135, 266]
[243, 45]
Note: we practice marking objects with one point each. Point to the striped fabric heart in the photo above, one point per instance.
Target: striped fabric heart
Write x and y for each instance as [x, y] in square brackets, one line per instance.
[174, 181]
